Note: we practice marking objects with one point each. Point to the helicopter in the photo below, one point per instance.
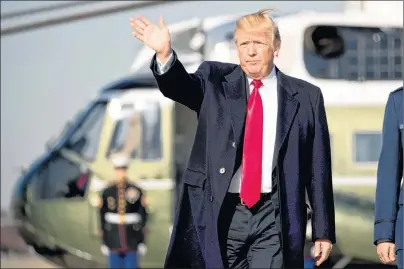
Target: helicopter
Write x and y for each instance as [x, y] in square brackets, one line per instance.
[128, 116]
[55, 214]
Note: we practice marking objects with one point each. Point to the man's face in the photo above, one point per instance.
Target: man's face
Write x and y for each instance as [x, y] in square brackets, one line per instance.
[120, 174]
[256, 52]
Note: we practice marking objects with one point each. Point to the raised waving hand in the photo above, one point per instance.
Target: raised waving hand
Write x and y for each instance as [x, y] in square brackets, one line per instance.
[156, 37]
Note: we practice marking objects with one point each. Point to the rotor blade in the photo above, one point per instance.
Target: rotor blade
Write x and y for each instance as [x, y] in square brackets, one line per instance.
[81, 16]
[54, 7]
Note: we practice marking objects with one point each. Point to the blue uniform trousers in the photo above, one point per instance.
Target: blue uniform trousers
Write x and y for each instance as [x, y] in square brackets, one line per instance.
[123, 260]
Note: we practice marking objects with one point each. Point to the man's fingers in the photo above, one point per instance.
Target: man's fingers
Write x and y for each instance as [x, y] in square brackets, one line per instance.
[317, 249]
[392, 254]
[323, 257]
[383, 255]
[137, 28]
[161, 22]
[325, 252]
[138, 36]
[321, 260]
[144, 20]
[140, 24]
[137, 25]
[387, 255]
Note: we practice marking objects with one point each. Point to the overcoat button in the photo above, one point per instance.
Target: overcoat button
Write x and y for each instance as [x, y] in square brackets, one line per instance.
[233, 144]
[222, 170]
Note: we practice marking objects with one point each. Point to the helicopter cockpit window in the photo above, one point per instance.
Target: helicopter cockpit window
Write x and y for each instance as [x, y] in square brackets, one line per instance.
[63, 179]
[181, 41]
[39, 179]
[139, 134]
[86, 138]
[354, 53]
[220, 44]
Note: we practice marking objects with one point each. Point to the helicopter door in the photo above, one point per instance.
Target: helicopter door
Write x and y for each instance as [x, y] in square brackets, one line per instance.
[140, 127]
[61, 198]
[60, 204]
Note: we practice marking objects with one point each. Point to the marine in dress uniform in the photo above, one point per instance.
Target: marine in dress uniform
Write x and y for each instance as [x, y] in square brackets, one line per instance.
[388, 229]
[123, 216]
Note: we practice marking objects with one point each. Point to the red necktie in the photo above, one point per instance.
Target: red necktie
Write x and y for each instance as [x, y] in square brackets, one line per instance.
[252, 149]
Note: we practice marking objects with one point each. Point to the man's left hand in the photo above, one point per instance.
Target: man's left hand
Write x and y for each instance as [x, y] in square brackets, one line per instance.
[322, 249]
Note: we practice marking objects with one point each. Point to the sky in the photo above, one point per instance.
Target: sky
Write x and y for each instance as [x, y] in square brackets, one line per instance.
[47, 75]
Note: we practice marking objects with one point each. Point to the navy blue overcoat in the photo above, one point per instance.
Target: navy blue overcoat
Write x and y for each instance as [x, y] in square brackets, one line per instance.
[217, 93]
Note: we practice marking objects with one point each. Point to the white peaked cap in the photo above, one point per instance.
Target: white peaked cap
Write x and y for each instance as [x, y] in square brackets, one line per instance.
[120, 160]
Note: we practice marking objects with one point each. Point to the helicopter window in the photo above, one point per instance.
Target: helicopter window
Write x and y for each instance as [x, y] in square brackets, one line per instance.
[86, 138]
[139, 135]
[367, 146]
[180, 40]
[354, 53]
[220, 44]
[39, 180]
[63, 179]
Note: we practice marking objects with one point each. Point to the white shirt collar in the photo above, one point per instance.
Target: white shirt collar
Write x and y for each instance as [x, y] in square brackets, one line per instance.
[267, 79]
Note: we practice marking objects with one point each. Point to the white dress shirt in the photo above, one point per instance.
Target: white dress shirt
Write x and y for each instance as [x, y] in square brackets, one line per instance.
[268, 92]
[269, 97]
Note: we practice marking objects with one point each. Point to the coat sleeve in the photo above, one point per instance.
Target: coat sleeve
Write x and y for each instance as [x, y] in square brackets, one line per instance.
[175, 83]
[389, 174]
[319, 188]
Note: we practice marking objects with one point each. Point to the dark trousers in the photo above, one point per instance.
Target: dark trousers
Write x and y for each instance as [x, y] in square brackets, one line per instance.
[123, 260]
[251, 239]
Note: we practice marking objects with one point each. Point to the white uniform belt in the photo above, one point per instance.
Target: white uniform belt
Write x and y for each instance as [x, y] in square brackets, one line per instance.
[130, 218]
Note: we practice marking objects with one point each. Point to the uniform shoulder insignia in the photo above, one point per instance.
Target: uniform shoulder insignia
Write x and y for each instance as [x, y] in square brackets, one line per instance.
[132, 195]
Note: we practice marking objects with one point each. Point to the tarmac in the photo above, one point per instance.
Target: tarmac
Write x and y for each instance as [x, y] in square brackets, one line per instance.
[14, 252]
[29, 260]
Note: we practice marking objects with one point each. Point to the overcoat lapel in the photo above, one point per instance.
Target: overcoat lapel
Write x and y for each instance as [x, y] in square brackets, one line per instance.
[235, 93]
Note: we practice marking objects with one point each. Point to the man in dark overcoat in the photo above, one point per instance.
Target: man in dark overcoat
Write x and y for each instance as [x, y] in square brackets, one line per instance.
[262, 139]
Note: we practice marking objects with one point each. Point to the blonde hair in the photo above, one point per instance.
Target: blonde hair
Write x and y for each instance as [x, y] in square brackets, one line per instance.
[259, 20]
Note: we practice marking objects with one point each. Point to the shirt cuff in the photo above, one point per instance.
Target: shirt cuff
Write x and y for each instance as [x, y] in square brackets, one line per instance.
[162, 68]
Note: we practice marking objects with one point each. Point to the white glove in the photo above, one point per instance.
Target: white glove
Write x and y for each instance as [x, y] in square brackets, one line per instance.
[104, 250]
[142, 249]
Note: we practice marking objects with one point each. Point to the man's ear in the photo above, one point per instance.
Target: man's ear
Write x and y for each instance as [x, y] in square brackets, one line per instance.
[277, 48]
